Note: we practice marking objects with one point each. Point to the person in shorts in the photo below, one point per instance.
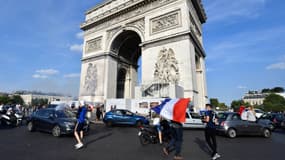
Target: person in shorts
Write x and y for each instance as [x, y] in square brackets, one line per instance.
[78, 130]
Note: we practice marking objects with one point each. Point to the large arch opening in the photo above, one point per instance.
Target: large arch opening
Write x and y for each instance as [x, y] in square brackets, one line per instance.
[126, 47]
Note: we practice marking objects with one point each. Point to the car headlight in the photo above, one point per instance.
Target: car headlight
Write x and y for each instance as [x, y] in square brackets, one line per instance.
[68, 124]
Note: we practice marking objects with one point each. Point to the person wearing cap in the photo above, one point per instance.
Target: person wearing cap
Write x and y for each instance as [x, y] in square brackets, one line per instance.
[80, 124]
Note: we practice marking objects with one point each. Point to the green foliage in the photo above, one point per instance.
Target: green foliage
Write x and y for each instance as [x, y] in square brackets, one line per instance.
[4, 99]
[15, 99]
[274, 102]
[214, 102]
[39, 102]
[237, 103]
[273, 90]
[220, 106]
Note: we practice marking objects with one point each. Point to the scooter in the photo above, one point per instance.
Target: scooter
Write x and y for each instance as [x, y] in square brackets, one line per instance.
[149, 134]
[9, 119]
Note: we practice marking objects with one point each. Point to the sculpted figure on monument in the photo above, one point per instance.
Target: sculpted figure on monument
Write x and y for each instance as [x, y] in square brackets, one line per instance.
[90, 82]
[166, 67]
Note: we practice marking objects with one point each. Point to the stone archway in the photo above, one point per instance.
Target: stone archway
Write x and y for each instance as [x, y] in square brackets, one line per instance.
[165, 34]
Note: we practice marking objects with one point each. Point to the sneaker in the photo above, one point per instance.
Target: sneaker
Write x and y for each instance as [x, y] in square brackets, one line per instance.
[78, 146]
[216, 156]
[178, 158]
[165, 151]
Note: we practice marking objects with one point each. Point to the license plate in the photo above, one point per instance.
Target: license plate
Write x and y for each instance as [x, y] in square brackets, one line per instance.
[140, 133]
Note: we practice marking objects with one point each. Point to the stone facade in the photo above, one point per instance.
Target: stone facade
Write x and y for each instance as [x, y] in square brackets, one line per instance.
[166, 34]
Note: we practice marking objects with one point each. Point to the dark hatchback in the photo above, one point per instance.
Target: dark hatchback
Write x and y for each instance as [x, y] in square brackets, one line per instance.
[275, 118]
[230, 124]
[57, 122]
[121, 116]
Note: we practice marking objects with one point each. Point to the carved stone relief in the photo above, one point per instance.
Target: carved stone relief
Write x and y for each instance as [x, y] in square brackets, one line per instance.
[140, 24]
[90, 81]
[166, 67]
[93, 45]
[165, 22]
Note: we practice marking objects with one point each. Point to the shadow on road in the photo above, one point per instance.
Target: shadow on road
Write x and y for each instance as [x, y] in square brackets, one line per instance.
[99, 138]
[203, 145]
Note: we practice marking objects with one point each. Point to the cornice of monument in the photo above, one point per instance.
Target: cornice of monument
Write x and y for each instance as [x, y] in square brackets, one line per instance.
[198, 5]
[130, 5]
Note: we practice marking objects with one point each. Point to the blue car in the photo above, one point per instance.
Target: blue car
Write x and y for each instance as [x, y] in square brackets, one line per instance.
[120, 116]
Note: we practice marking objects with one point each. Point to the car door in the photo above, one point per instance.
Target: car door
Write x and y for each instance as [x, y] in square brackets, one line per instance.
[118, 116]
[196, 119]
[188, 121]
[46, 120]
[254, 128]
[128, 118]
[240, 125]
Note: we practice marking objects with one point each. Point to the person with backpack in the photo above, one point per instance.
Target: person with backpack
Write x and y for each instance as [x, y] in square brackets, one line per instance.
[210, 130]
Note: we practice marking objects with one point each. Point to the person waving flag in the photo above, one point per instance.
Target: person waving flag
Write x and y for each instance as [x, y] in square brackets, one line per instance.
[173, 109]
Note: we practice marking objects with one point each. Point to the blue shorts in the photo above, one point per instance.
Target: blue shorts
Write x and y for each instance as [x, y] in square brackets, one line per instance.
[158, 128]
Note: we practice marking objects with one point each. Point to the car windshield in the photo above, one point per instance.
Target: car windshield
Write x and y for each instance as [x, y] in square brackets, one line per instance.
[64, 114]
[195, 115]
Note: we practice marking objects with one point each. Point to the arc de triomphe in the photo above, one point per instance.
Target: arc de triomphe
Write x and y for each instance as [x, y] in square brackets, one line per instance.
[165, 36]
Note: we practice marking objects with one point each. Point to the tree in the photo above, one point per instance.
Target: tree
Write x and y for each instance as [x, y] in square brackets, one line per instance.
[16, 99]
[39, 102]
[4, 99]
[219, 106]
[214, 102]
[277, 89]
[237, 103]
[266, 90]
[274, 102]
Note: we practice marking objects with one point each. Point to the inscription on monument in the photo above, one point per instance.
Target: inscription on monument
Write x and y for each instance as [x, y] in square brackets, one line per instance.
[165, 22]
[93, 45]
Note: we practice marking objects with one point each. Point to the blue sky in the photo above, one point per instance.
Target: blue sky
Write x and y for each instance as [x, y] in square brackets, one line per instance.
[40, 45]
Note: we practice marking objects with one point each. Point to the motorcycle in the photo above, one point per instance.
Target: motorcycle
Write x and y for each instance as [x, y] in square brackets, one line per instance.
[11, 118]
[149, 134]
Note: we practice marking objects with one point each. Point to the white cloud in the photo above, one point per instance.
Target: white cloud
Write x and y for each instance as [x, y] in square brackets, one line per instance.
[218, 10]
[39, 76]
[80, 35]
[276, 66]
[47, 71]
[241, 87]
[72, 75]
[76, 47]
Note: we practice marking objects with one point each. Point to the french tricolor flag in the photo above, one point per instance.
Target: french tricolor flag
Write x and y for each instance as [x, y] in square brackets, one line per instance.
[173, 109]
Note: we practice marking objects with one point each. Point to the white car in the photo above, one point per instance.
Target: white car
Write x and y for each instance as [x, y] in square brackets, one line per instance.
[258, 113]
[193, 120]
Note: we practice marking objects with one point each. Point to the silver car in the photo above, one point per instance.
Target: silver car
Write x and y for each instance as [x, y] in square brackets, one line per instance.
[230, 124]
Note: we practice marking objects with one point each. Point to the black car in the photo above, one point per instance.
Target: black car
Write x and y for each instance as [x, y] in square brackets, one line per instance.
[275, 118]
[57, 122]
[232, 125]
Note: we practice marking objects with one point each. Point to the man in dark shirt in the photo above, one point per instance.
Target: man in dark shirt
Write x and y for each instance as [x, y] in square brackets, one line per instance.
[210, 131]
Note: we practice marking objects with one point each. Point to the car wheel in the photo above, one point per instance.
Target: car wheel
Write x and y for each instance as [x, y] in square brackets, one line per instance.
[31, 127]
[266, 133]
[109, 123]
[139, 123]
[56, 131]
[232, 133]
[143, 139]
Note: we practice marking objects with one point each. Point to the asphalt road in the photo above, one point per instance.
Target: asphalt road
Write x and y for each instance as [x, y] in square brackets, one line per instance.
[121, 143]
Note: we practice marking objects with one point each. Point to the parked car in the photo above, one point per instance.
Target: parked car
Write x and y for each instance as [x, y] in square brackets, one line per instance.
[275, 118]
[193, 120]
[121, 116]
[258, 112]
[283, 124]
[57, 122]
[230, 124]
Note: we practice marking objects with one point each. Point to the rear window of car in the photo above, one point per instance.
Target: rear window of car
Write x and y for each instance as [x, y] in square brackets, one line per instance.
[222, 115]
[195, 115]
